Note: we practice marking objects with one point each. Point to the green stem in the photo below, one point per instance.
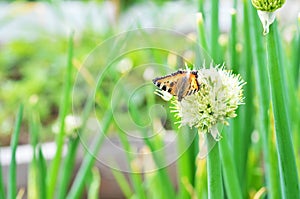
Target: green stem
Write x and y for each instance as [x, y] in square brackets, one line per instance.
[233, 42]
[248, 116]
[65, 106]
[93, 192]
[214, 48]
[232, 184]
[12, 183]
[201, 31]
[89, 159]
[122, 182]
[261, 79]
[201, 179]
[2, 187]
[237, 123]
[214, 175]
[201, 6]
[287, 163]
[68, 165]
[34, 188]
[296, 63]
[186, 161]
[42, 170]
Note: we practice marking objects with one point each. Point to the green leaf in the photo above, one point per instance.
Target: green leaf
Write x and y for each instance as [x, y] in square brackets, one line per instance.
[63, 110]
[33, 184]
[42, 173]
[2, 187]
[287, 163]
[89, 159]
[231, 180]
[214, 173]
[123, 183]
[12, 182]
[93, 192]
[214, 31]
[264, 123]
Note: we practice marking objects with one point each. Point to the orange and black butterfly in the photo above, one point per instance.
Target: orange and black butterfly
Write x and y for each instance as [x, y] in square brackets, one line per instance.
[180, 83]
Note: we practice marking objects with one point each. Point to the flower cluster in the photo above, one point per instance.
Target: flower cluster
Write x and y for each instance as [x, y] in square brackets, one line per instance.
[267, 5]
[219, 96]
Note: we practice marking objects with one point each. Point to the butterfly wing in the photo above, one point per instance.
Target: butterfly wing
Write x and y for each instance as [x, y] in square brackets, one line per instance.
[194, 85]
[180, 83]
[187, 85]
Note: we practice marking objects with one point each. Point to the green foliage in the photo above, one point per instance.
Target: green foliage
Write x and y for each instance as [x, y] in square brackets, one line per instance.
[287, 163]
[27, 74]
[255, 158]
[12, 186]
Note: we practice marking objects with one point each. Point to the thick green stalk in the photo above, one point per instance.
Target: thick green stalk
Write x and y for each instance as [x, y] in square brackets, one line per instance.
[297, 70]
[214, 177]
[64, 108]
[290, 88]
[12, 182]
[214, 174]
[214, 48]
[261, 79]
[236, 134]
[233, 42]
[296, 55]
[248, 109]
[231, 181]
[287, 164]
[201, 6]
[201, 32]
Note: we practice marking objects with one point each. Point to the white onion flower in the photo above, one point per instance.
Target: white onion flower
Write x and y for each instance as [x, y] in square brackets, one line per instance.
[219, 96]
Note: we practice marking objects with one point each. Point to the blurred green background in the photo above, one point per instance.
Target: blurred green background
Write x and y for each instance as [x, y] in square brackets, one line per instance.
[34, 57]
[34, 46]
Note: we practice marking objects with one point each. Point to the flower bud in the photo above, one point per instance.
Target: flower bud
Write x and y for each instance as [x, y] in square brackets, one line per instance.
[266, 11]
[267, 5]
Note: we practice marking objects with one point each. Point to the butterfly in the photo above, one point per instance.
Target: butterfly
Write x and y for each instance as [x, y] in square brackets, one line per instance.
[180, 83]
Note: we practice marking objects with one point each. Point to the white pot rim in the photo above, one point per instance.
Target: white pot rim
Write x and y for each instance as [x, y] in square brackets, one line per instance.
[24, 153]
